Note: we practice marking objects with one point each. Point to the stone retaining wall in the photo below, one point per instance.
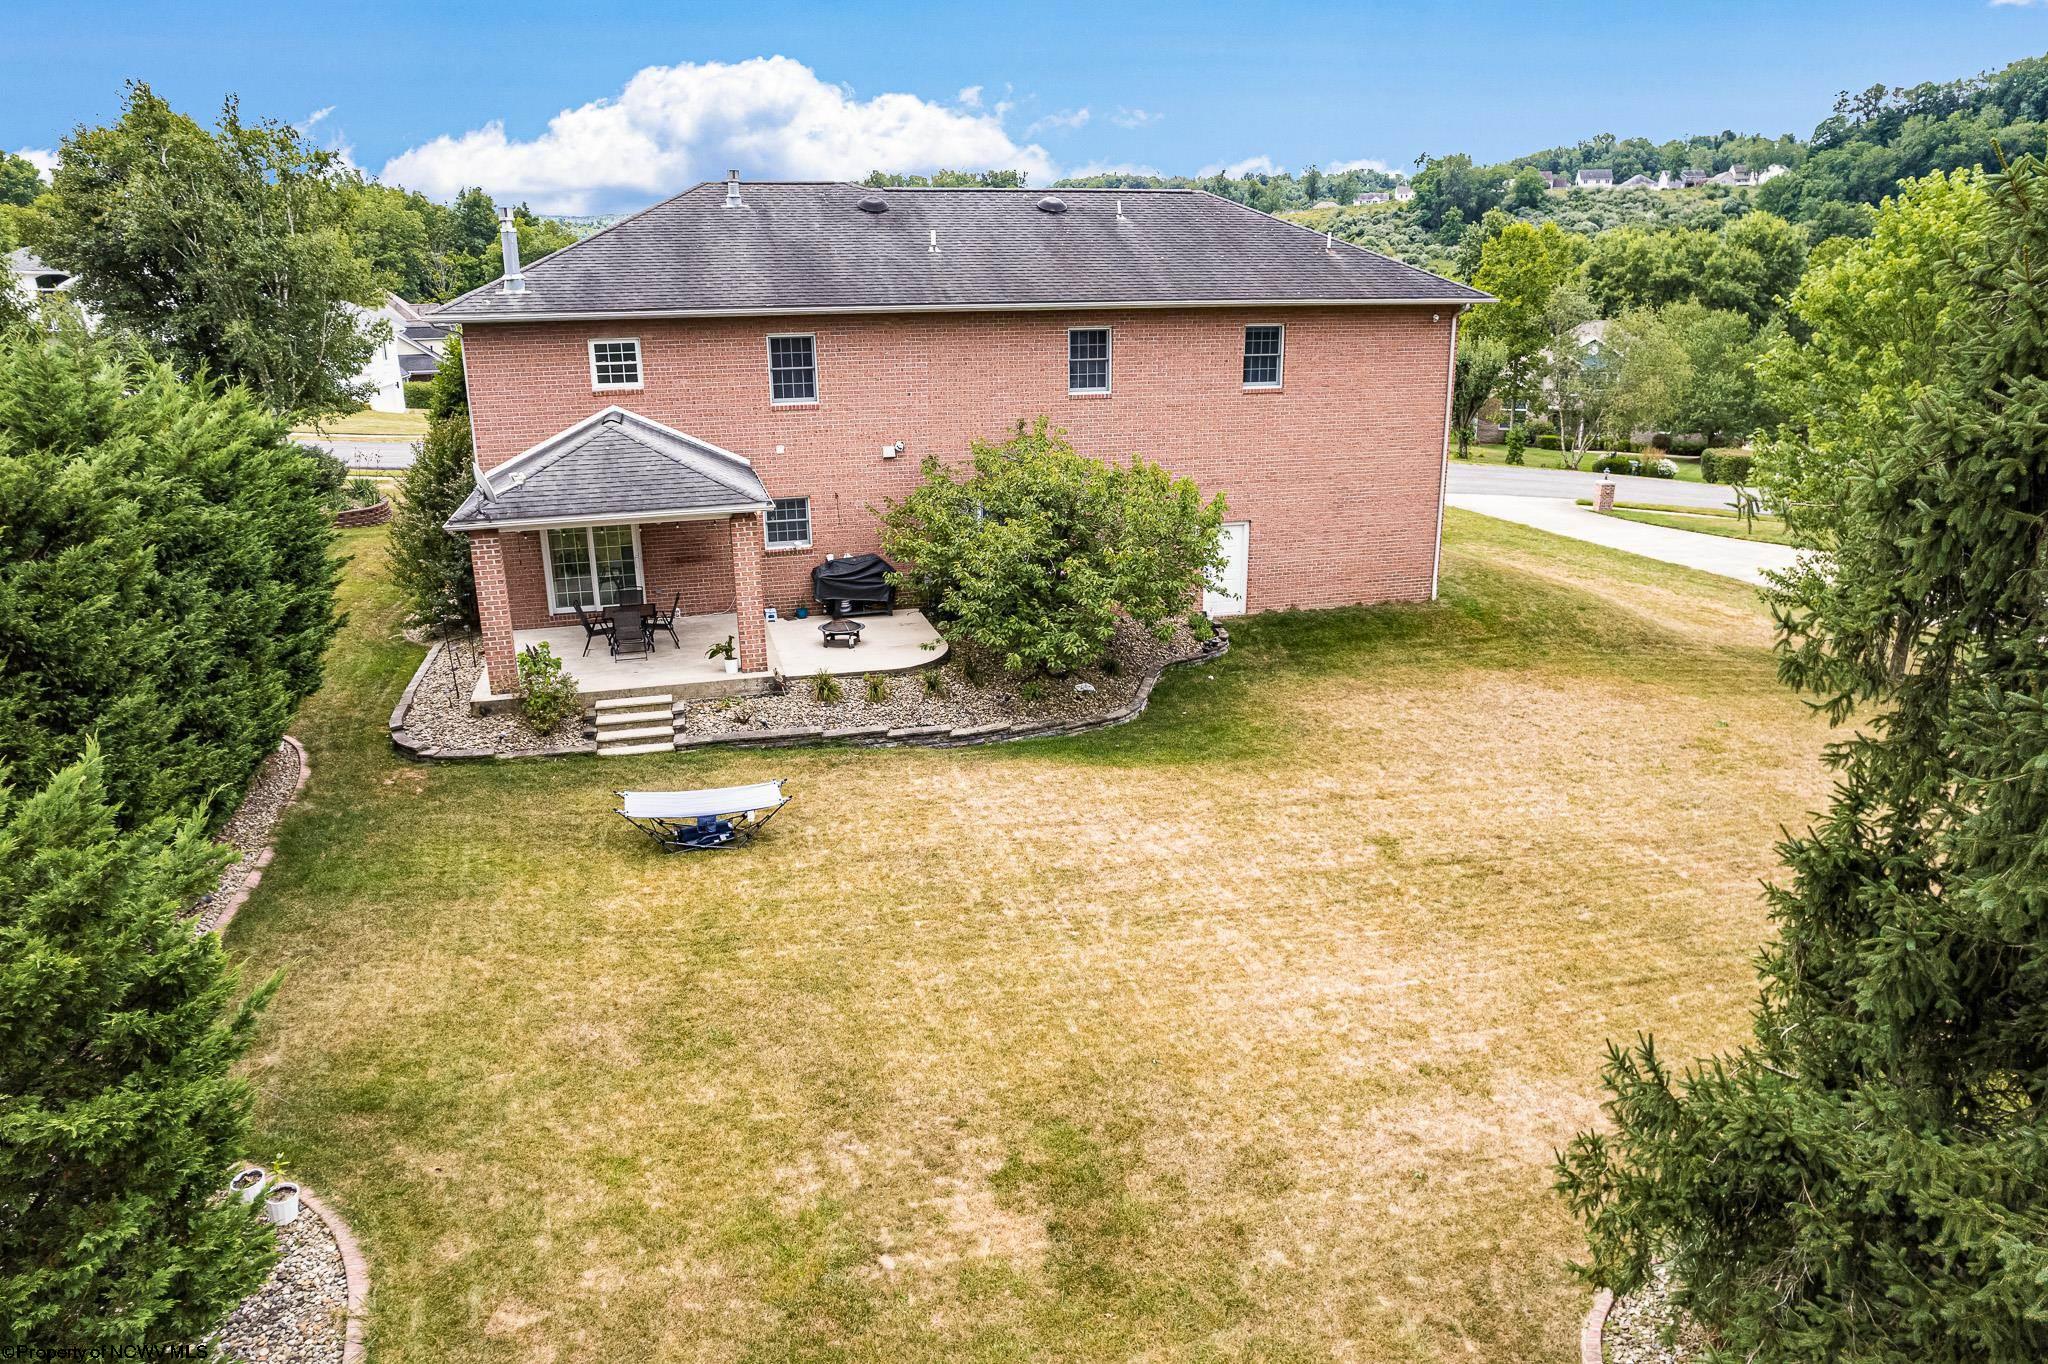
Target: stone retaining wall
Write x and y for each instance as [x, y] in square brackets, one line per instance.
[874, 736]
[376, 514]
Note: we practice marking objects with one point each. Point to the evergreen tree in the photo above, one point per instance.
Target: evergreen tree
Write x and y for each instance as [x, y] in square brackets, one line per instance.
[166, 580]
[120, 1119]
[1868, 1179]
[431, 565]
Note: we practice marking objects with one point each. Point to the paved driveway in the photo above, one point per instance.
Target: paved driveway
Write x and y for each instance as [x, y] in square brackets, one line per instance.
[366, 454]
[1500, 481]
[1731, 558]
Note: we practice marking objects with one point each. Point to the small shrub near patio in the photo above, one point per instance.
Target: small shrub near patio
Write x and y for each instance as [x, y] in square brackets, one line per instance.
[1726, 466]
[547, 692]
[825, 688]
[934, 682]
[877, 688]
[1038, 551]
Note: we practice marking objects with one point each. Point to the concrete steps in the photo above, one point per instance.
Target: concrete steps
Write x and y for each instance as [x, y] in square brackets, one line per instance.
[635, 724]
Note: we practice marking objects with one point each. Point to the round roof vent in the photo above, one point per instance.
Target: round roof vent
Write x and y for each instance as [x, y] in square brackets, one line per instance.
[872, 203]
[1052, 203]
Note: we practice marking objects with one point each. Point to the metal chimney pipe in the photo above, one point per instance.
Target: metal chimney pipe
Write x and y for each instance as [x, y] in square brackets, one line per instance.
[508, 238]
[732, 189]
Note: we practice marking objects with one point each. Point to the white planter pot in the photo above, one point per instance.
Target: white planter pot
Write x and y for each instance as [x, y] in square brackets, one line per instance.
[282, 1206]
[247, 1185]
[732, 667]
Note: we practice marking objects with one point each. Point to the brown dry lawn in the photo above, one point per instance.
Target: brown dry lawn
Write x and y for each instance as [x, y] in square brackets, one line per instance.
[1246, 1031]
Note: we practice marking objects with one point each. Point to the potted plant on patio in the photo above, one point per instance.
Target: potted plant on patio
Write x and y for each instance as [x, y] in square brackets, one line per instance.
[281, 1204]
[727, 651]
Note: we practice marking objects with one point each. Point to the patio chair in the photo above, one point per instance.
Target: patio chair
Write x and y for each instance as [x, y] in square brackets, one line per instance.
[593, 626]
[630, 635]
[698, 821]
[666, 620]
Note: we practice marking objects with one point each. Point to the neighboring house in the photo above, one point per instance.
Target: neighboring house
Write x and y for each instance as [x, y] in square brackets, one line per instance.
[30, 279]
[1557, 180]
[1595, 177]
[1638, 182]
[410, 353]
[1403, 193]
[1324, 203]
[712, 396]
[1692, 179]
[1375, 196]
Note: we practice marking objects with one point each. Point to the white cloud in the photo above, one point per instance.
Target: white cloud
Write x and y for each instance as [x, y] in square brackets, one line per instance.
[1251, 165]
[1371, 163]
[969, 97]
[2016, 4]
[1064, 121]
[771, 117]
[1135, 118]
[313, 119]
[42, 158]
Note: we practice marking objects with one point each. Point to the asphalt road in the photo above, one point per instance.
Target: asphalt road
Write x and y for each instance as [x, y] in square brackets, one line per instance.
[366, 454]
[1493, 480]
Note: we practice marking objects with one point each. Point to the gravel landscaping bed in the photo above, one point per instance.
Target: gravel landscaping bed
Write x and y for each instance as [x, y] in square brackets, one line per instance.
[440, 717]
[248, 832]
[992, 697]
[300, 1314]
[1647, 1328]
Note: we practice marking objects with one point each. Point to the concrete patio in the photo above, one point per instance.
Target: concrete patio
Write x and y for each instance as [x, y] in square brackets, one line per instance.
[888, 644]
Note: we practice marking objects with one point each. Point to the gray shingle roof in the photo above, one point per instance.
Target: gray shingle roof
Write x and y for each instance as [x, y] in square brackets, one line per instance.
[807, 247]
[614, 464]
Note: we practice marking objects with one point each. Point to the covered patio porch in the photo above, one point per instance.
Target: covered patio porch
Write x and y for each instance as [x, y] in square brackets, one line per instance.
[795, 649]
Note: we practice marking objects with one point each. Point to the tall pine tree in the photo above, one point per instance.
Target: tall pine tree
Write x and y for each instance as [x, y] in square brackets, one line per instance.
[1868, 1179]
[119, 1118]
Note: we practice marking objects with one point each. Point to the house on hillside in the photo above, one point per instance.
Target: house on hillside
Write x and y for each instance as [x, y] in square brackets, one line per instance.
[703, 402]
[1375, 196]
[1638, 182]
[1403, 193]
[1692, 179]
[1595, 177]
[409, 354]
[30, 279]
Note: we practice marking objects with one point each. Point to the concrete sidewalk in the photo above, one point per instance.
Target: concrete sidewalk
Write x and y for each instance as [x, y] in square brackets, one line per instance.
[1731, 558]
[1494, 479]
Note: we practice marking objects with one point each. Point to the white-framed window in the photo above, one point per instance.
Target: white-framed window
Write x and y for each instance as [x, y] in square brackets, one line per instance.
[793, 369]
[589, 566]
[615, 362]
[1088, 360]
[788, 526]
[1265, 347]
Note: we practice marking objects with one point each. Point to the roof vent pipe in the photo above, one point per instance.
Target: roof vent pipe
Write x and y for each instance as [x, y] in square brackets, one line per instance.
[732, 189]
[508, 239]
[934, 241]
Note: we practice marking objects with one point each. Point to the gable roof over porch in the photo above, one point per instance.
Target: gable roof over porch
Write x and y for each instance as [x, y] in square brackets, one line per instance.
[614, 465]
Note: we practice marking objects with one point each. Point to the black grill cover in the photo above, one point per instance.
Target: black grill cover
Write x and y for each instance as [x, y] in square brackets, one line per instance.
[861, 578]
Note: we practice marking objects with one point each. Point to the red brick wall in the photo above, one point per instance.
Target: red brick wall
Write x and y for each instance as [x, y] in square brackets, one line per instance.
[1338, 472]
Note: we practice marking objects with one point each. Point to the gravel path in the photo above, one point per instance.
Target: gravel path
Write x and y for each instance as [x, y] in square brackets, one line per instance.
[248, 832]
[299, 1316]
[1646, 1328]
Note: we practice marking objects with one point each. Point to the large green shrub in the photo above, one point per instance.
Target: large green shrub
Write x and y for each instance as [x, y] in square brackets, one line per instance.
[1036, 550]
[1867, 1179]
[166, 574]
[1726, 466]
[120, 1115]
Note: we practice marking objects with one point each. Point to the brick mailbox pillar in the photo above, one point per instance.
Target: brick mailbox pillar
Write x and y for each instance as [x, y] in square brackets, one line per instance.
[494, 611]
[748, 603]
[1603, 496]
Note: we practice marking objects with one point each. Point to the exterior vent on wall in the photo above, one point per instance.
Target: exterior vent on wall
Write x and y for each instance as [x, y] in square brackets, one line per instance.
[1052, 203]
[872, 203]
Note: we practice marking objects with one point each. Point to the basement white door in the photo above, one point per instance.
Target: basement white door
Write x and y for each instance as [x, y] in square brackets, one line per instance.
[1225, 596]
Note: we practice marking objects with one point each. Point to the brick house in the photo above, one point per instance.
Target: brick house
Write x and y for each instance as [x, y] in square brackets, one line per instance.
[713, 395]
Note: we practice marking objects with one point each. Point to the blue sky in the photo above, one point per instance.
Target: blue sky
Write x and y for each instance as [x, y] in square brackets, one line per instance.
[537, 101]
